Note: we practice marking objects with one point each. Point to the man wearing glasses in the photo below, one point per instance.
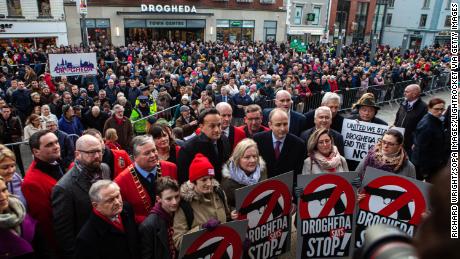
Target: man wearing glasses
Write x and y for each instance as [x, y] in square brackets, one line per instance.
[70, 200]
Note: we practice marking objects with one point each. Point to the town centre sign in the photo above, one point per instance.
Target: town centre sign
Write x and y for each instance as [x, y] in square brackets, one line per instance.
[151, 8]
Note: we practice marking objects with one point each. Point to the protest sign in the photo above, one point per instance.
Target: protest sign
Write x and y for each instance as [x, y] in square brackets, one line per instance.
[73, 64]
[360, 136]
[326, 215]
[390, 199]
[267, 205]
[225, 241]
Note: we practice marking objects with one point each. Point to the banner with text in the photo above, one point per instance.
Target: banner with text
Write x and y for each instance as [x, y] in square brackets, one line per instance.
[360, 136]
[326, 210]
[267, 206]
[390, 199]
[73, 64]
[225, 241]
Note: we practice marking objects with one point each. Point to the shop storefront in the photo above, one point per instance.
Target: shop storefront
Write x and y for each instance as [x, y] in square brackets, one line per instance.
[99, 30]
[235, 30]
[32, 34]
[172, 30]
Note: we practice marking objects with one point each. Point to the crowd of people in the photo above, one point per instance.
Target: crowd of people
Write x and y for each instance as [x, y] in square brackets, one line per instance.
[113, 176]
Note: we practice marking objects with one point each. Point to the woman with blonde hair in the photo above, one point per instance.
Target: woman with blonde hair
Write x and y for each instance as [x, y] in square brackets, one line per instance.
[245, 167]
[8, 171]
[33, 124]
[323, 155]
[17, 228]
[111, 138]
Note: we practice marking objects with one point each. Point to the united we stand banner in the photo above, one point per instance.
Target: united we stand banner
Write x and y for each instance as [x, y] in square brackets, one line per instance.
[267, 206]
[73, 64]
[326, 213]
[390, 199]
[223, 242]
[360, 136]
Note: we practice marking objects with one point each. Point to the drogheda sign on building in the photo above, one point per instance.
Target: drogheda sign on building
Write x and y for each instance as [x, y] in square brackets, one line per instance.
[158, 8]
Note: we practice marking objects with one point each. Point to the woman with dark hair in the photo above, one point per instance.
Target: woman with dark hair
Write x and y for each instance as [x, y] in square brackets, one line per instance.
[430, 145]
[323, 155]
[388, 155]
[167, 148]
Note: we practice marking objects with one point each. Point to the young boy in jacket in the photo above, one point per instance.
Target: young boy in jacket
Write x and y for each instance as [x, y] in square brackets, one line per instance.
[156, 230]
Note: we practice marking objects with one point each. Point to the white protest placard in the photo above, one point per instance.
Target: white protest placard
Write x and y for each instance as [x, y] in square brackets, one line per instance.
[360, 136]
[73, 64]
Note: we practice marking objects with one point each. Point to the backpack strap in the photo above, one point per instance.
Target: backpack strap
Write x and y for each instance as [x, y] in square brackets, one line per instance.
[188, 212]
[223, 198]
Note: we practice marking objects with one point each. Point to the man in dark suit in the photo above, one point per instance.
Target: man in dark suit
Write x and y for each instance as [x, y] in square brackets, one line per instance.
[110, 231]
[331, 100]
[224, 97]
[296, 121]
[234, 134]
[281, 150]
[411, 111]
[210, 142]
[323, 119]
[70, 200]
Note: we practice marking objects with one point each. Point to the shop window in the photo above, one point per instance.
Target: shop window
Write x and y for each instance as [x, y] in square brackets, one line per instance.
[98, 30]
[267, 1]
[426, 4]
[389, 18]
[391, 3]
[317, 12]
[298, 15]
[44, 8]
[447, 21]
[423, 19]
[14, 7]
[270, 30]
[234, 30]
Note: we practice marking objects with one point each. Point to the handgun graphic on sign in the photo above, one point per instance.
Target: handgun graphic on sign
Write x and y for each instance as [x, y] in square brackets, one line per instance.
[206, 251]
[257, 205]
[388, 197]
[322, 197]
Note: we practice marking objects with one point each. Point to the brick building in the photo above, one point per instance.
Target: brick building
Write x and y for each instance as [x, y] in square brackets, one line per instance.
[122, 21]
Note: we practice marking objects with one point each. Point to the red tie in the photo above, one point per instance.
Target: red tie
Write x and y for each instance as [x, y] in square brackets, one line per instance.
[277, 149]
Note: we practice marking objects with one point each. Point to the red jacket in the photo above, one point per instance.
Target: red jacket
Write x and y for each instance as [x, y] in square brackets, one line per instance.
[246, 132]
[37, 187]
[130, 192]
[121, 161]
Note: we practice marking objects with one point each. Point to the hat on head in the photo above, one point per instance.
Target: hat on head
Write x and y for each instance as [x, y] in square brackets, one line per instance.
[367, 99]
[144, 88]
[184, 108]
[143, 98]
[83, 90]
[200, 167]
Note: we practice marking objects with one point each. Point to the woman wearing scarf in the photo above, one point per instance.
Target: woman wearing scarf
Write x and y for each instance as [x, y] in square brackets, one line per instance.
[323, 155]
[245, 167]
[17, 228]
[388, 155]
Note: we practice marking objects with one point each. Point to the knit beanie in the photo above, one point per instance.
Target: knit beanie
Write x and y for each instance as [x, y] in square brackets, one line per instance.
[200, 167]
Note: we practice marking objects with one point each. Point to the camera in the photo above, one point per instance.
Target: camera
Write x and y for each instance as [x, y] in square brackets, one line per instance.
[387, 242]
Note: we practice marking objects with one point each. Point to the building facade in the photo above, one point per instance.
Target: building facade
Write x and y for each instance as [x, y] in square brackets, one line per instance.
[352, 20]
[32, 22]
[422, 22]
[307, 20]
[122, 21]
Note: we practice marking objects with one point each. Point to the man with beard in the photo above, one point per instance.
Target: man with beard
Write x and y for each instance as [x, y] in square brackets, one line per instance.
[70, 199]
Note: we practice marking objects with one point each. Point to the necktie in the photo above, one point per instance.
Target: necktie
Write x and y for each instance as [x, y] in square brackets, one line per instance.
[277, 149]
[225, 98]
[216, 149]
[151, 178]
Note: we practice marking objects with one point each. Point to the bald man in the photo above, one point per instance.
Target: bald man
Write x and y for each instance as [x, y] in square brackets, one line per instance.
[411, 111]
[281, 150]
[70, 200]
[296, 121]
[234, 134]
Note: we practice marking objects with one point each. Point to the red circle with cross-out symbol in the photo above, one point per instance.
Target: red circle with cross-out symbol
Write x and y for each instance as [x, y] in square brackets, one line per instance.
[341, 186]
[279, 189]
[412, 194]
[229, 238]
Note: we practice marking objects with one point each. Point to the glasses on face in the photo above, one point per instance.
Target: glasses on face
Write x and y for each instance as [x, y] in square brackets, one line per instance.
[92, 152]
[390, 144]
